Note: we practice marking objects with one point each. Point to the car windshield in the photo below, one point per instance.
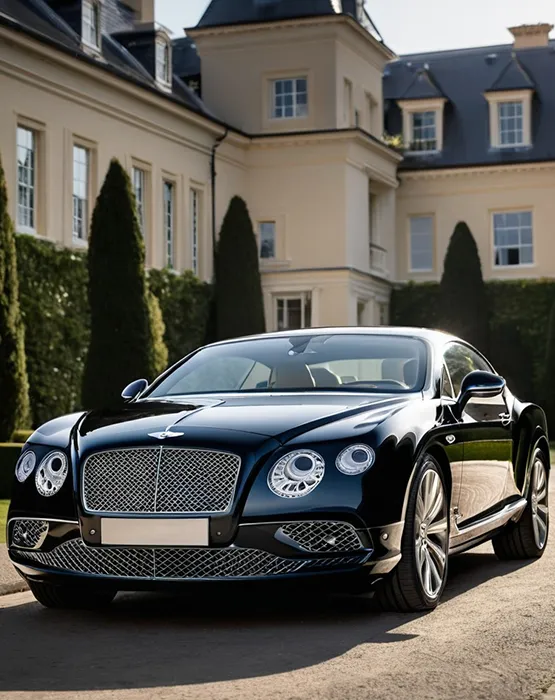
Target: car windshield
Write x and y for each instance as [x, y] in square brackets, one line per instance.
[342, 362]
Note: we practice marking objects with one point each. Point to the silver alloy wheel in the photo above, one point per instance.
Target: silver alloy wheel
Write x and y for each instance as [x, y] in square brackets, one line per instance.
[538, 500]
[431, 528]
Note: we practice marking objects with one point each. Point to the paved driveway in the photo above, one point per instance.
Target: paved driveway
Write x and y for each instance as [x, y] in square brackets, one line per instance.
[492, 638]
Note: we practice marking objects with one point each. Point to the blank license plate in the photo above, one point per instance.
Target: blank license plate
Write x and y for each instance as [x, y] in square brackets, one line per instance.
[155, 532]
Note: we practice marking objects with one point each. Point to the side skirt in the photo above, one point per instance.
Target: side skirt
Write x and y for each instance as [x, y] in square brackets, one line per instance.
[470, 536]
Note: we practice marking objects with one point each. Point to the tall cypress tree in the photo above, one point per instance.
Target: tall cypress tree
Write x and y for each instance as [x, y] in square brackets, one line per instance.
[238, 303]
[463, 298]
[14, 387]
[122, 347]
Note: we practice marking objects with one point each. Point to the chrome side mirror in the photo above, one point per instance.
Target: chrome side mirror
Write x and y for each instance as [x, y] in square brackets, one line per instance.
[134, 389]
[479, 384]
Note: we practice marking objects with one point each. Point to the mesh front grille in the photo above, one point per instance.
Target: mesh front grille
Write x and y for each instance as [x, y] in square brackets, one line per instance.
[160, 480]
[29, 534]
[323, 536]
[168, 564]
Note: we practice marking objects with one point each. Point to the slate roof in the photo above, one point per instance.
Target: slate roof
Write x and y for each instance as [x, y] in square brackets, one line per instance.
[186, 61]
[464, 76]
[36, 18]
[422, 87]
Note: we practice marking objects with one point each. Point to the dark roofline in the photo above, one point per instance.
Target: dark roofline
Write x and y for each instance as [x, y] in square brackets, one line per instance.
[469, 50]
[346, 15]
[470, 166]
[109, 68]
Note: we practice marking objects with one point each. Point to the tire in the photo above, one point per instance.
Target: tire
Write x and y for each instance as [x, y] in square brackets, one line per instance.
[70, 597]
[412, 586]
[527, 539]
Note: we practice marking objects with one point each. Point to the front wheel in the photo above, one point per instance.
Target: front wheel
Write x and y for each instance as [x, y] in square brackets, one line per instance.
[527, 538]
[417, 582]
[70, 597]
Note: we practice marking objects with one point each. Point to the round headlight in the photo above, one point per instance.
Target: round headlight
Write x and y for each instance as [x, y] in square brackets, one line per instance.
[25, 465]
[52, 473]
[355, 459]
[296, 474]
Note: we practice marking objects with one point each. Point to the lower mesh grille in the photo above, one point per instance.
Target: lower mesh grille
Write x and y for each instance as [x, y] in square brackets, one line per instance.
[29, 534]
[323, 536]
[168, 563]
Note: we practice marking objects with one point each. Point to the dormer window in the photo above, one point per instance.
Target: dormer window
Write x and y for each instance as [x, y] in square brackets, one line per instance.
[163, 73]
[90, 20]
[510, 118]
[423, 125]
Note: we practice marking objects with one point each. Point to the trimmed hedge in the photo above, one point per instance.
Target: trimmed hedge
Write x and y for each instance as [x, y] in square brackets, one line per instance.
[9, 454]
[518, 318]
[55, 310]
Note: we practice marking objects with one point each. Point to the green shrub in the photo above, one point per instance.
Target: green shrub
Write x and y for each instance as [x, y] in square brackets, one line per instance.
[239, 307]
[14, 388]
[9, 454]
[184, 301]
[122, 346]
[53, 293]
[463, 301]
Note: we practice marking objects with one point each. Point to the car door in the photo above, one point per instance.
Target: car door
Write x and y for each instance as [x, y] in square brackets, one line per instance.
[487, 439]
[453, 441]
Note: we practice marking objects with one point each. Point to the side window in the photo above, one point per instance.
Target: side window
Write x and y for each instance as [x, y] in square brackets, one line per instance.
[461, 360]
[446, 386]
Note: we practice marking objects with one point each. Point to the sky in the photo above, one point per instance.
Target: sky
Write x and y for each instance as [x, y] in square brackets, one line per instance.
[410, 26]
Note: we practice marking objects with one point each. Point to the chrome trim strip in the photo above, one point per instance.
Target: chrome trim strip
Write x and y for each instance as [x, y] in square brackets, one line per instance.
[489, 523]
[157, 476]
[50, 520]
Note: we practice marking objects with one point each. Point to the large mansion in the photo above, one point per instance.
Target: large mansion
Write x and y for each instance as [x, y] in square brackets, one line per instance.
[356, 164]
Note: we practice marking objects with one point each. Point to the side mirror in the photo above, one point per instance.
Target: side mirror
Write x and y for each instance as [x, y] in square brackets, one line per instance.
[133, 390]
[479, 384]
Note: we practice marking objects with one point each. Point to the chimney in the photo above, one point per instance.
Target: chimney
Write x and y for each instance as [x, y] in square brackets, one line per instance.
[143, 9]
[530, 36]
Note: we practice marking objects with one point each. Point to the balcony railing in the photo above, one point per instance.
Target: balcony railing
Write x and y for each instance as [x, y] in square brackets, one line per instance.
[378, 259]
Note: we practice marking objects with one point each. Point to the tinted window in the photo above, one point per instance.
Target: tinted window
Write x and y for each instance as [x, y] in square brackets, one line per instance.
[461, 360]
[367, 363]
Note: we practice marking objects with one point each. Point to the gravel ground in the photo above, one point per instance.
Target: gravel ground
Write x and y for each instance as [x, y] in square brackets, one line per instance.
[492, 638]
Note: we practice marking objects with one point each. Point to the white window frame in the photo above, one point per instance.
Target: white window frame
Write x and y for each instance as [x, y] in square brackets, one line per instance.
[520, 228]
[139, 179]
[503, 119]
[91, 28]
[81, 191]
[411, 107]
[278, 89]
[27, 180]
[195, 204]
[305, 299]
[495, 99]
[431, 234]
[261, 235]
[429, 145]
[163, 61]
[169, 186]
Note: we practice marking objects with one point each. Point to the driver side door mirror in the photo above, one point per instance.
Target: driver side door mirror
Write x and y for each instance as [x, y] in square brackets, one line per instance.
[134, 389]
[479, 384]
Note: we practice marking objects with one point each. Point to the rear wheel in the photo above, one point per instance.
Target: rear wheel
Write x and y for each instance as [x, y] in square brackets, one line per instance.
[527, 538]
[70, 597]
[417, 582]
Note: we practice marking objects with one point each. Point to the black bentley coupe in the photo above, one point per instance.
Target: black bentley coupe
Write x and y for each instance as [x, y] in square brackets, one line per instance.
[354, 456]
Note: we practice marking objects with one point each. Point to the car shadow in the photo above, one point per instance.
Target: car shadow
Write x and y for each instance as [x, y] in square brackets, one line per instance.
[156, 641]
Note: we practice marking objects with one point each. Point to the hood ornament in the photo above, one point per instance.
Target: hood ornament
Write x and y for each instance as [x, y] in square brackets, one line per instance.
[165, 434]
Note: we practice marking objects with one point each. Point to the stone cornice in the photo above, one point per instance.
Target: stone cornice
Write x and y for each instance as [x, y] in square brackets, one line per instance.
[470, 171]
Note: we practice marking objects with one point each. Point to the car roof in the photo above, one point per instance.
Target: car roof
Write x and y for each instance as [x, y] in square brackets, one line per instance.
[435, 337]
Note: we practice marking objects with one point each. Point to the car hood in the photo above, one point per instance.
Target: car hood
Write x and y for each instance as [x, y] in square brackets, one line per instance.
[281, 417]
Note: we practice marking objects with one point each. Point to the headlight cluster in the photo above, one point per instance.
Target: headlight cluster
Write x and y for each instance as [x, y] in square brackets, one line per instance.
[298, 473]
[50, 475]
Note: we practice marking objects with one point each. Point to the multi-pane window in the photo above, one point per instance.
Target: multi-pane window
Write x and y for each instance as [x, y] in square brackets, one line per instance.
[162, 61]
[424, 135]
[169, 221]
[139, 187]
[91, 22]
[421, 243]
[290, 98]
[511, 128]
[267, 233]
[195, 217]
[512, 238]
[81, 180]
[26, 179]
[294, 312]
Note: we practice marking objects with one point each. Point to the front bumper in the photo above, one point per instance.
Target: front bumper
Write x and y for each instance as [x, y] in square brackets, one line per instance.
[55, 551]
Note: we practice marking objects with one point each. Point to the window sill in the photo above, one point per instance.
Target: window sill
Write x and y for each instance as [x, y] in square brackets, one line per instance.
[269, 264]
[80, 243]
[28, 231]
[427, 271]
[422, 153]
[520, 266]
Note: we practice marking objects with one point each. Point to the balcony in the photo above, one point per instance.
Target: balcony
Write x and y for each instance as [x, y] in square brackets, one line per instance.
[378, 260]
